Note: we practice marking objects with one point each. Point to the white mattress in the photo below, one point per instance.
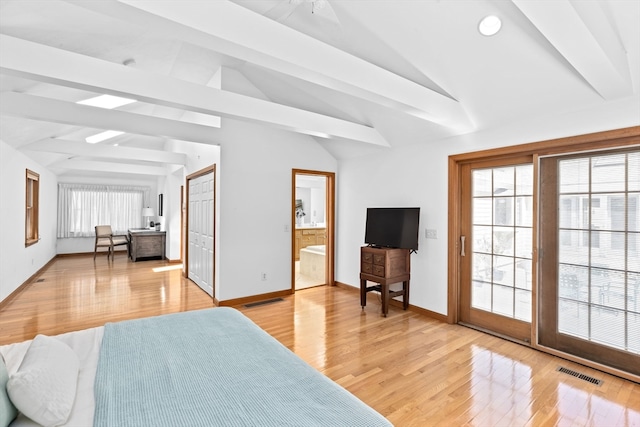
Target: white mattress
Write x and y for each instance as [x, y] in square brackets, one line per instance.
[86, 344]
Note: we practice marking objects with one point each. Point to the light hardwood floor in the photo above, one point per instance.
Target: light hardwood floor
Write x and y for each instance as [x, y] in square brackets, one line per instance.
[414, 370]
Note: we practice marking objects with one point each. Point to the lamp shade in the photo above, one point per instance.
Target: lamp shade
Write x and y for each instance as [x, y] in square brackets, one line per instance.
[147, 212]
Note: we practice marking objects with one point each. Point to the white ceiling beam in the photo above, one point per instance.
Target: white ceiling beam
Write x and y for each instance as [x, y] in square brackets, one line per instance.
[43, 63]
[119, 168]
[52, 110]
[582, 34]
[235, 31]
[62, 146]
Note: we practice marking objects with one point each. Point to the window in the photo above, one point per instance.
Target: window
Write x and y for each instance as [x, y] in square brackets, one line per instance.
[31, 233]
[83, 206]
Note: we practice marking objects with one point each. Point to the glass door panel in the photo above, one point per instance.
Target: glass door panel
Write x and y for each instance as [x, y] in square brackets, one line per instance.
[502, 204]
[497, 293]
[590, 234]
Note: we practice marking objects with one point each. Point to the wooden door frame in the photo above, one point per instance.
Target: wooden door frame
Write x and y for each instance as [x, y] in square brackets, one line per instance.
[330, 196]
[197, 174]
[594, 141]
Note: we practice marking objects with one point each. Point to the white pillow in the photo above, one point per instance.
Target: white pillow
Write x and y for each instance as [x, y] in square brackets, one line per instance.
[44, 387]
[8, 410]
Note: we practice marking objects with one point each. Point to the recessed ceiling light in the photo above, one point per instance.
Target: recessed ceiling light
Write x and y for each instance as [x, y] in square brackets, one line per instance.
[107, 101]
[489, 25]
[99, 137]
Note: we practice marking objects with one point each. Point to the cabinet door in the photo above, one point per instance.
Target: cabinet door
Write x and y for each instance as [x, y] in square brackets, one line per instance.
[308, 240]
[366, 262]
[149, 246]
[298, 242]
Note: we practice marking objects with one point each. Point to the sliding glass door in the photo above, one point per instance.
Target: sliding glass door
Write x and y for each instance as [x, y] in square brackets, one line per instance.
[590, 256]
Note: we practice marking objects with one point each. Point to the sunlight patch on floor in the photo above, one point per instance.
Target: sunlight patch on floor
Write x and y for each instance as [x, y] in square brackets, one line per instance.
[167, 268]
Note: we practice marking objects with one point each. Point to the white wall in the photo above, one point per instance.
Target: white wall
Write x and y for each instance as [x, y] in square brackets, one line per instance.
[199, 156]
[417, 175]
[255, 205]
[171, 219]
[318, 198]
[17, 262]
[304, 195]
[253, 200]
[312, 192]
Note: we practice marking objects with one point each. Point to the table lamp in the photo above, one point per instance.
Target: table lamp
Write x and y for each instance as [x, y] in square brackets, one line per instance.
[146, 214]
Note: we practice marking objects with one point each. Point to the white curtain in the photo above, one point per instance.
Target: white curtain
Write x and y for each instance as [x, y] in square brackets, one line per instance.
[83, 206]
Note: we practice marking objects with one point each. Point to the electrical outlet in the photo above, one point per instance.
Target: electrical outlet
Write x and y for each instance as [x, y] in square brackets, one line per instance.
[263, 276]
[431, 233]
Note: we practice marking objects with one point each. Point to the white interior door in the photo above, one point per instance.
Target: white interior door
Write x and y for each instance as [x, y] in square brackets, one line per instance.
[206, 232]
[194, 230]
[201, 241]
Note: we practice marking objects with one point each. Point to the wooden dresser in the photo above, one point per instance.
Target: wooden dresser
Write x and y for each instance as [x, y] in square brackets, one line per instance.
[146, 243]
[384, 266]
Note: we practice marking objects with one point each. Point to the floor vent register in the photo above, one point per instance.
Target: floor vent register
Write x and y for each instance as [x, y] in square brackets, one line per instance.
[579, 375]
[267, 301]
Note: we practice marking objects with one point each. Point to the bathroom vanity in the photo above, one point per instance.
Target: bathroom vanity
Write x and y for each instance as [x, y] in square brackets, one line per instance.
[307, 235]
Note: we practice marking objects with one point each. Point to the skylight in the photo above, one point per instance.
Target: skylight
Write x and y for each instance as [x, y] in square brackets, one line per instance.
[107, 101]
[103, 136]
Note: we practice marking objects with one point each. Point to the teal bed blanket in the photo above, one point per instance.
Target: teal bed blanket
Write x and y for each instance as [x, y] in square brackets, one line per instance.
[213, 367]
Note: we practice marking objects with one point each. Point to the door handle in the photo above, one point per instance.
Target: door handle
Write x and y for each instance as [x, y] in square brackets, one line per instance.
[462, 239]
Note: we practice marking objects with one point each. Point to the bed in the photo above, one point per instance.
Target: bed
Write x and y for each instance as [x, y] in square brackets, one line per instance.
[200, 368]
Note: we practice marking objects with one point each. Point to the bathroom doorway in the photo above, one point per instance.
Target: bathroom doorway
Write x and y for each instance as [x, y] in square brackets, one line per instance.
[312, 225]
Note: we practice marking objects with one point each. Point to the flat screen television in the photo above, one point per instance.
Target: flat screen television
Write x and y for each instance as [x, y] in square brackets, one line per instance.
[392, 228]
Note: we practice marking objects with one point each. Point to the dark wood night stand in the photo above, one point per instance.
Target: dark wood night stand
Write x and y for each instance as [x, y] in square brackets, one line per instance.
[147, 243]
[384, 266]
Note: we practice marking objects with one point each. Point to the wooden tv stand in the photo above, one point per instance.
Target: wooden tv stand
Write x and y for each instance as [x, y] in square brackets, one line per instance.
[384, 266]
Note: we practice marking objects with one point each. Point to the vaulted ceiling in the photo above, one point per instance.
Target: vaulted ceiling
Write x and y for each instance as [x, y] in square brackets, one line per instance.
[356, 75]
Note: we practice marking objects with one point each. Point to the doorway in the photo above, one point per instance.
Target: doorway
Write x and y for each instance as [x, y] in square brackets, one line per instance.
[312, 225]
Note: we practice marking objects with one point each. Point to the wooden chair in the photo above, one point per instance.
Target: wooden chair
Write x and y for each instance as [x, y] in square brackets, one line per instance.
[105, 238]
